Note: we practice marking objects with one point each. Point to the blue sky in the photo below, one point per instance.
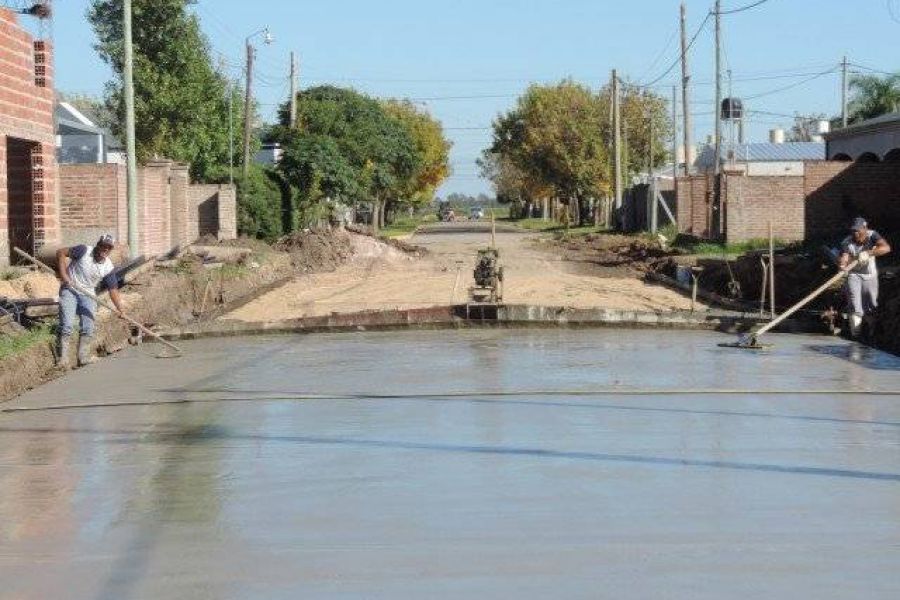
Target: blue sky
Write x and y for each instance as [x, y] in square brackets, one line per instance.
[467, 60]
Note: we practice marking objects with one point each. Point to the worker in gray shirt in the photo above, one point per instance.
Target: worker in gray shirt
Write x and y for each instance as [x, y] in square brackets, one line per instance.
[862, 245]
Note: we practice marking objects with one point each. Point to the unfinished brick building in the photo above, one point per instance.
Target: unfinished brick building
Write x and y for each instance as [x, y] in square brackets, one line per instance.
[29, 208]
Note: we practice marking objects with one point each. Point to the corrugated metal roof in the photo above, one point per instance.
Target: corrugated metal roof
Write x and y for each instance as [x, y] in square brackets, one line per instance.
[764, 152]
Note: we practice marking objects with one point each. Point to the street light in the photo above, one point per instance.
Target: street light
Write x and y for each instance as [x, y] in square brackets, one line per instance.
[267, 39]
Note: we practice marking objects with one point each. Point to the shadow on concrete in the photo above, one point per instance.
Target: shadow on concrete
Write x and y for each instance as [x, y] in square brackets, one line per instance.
[864, 356]
[176, 437]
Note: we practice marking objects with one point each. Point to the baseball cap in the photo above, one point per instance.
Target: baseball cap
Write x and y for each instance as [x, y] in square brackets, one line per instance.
[858, 224]
[106, 240]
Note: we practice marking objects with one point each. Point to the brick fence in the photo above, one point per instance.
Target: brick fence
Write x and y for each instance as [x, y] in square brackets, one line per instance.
[29, 210]
[817, 204]
[172, 212]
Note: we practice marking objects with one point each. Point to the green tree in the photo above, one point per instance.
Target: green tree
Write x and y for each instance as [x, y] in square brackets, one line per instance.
[432, 148]
[873, 96]
[181, 100]
[375, 148]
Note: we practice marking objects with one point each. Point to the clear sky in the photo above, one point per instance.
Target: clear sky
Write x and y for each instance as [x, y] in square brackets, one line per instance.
[467, 60]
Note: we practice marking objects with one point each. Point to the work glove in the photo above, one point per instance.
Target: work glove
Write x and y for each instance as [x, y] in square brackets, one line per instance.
[864, 258]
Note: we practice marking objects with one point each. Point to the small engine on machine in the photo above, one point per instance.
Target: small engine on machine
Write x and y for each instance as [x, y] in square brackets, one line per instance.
[488, 277]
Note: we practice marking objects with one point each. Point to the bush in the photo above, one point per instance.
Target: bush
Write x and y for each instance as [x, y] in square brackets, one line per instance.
[264, 207]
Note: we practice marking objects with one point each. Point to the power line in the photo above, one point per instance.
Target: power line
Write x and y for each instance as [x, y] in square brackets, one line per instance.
[791, 86]
[661, 53]
[678, 60]
[743, 8]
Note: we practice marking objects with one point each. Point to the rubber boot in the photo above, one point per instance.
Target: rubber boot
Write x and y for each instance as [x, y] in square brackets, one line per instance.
[62, 352]
[85, 353]
[855, 325]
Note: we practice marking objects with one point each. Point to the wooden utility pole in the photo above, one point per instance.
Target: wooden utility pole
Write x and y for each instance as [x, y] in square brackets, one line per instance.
[844, 84]
[247, 112]
[617, 144]
[674, 134]
[685, 92]
[130, 144]
[293, 120]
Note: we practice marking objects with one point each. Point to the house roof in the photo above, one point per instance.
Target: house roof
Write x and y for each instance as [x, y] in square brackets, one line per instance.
[888, 121]
[764, 152]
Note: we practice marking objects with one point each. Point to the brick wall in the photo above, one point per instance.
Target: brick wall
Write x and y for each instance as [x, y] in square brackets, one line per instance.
[839, 191]
[91, 196]
[752, 202]
[26, 121]
[693, 201]
[172, 212]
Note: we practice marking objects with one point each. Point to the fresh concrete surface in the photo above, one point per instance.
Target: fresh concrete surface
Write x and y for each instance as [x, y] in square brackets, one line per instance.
[464, 464]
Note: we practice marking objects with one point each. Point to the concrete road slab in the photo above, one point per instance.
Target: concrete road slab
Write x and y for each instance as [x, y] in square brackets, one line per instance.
[482, 463]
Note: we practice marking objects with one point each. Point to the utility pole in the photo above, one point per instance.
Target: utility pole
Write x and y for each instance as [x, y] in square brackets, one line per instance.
[717, 193]
[231, 91]
[674, 134]
[247, 113]
[293, 91]
[718, 109]
[844, 83]
[617, 144]
[685, 92]
[130, 145]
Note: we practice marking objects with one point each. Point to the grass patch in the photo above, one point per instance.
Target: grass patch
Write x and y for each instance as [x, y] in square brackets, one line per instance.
[11, 345]
[701, 248]
[405, 225]
[557, 229]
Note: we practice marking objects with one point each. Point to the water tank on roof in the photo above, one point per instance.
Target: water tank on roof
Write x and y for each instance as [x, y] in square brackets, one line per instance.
[776, 136]
[732, 109]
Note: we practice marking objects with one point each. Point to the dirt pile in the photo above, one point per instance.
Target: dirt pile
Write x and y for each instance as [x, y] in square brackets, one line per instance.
[317, 251]
[620, 254]
[29, 286]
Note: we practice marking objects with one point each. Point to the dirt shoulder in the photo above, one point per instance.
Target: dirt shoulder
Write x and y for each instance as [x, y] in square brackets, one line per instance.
[380, 277]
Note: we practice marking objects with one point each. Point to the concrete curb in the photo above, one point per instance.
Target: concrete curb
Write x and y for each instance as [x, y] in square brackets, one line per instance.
[465, 316]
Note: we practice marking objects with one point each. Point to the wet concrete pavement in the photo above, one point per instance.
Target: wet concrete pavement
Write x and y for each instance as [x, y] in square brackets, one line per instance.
[483, 463]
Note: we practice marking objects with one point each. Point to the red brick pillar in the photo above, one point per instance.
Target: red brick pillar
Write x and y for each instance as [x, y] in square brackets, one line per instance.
[179, 180]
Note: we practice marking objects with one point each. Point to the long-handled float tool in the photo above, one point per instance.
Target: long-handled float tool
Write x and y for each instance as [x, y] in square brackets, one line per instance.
[175, 349]
[750, 341]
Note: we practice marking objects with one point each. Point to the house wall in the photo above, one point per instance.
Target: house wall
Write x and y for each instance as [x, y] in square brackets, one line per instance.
[817, 205]
[26, 115]
[171, 211]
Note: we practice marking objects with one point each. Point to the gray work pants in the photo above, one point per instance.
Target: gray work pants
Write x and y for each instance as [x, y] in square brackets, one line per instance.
[862, 293]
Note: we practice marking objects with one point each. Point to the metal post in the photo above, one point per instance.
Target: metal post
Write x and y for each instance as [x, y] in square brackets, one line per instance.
[293, 118]
[130, 144]
[247, 112]
[685, 92]
[844, 84]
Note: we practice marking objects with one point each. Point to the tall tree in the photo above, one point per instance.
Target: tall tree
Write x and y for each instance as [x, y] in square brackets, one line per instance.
[873, 96]
[431, 146]
[181, 99]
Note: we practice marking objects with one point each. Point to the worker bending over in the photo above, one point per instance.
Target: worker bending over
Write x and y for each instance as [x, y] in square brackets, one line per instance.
[81, 269]
[862, 245]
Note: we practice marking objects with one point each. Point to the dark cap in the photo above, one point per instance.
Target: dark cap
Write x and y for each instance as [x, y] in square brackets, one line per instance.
[858, 224]
[106, 240]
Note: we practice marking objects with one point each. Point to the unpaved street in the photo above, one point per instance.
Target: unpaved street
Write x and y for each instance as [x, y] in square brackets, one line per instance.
[383, 278]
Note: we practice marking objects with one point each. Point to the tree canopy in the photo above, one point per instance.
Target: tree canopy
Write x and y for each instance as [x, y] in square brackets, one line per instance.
[873, 96]
[181, 100]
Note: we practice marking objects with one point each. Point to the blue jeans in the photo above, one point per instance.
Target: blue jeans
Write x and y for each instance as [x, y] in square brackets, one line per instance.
[71, 304]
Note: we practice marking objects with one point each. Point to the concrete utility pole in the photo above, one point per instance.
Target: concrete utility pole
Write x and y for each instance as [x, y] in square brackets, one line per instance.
[617, 143]
[230, 134]
[685, 92]
[717, 194]
[674, 133]
[245, 168]
[293, 91]
[844, 83]
[130, 145]
[718, 132]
